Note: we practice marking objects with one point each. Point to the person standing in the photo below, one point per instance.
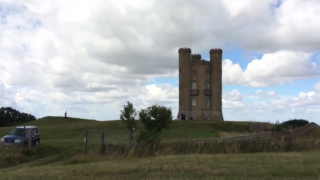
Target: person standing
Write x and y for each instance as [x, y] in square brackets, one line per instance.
[65, 115]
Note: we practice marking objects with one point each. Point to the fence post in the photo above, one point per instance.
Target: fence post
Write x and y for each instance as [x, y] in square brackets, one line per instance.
[24, 136]
[185, 134]
[102, 137]
[86, 142]
[129, 137]
[30, 138]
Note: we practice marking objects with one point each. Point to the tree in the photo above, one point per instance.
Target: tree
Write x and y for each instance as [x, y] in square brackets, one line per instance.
[128, 115]
[154, 119]
[10, 116]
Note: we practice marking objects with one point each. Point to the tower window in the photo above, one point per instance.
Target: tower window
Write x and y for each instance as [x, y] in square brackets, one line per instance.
[194, 85]
[208, 102]
[207, 85]
[194, 101]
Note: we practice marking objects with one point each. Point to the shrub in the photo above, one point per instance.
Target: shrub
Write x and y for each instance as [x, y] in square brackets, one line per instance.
[154, 119]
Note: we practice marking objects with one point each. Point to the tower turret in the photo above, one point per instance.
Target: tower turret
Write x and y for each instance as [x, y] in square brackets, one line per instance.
[216, 84]
[184, 81]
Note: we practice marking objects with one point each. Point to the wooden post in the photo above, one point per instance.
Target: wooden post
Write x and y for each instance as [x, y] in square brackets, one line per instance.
[186, 135]
[102, 137]
[30, 138]
[85, 142]
[103, 146]
[129, 137]
[24, 136]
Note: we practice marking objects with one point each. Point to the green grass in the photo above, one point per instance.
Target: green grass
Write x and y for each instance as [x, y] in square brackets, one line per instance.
[60, 154]
[271, 166]
[59, 135]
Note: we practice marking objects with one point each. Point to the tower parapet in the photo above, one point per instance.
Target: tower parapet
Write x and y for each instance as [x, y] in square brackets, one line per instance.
[196, 56]
[216, 51]
[184, 50]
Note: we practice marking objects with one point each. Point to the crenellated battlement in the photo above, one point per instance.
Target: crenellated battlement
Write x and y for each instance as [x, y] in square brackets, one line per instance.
[216, 51]
[184, 50]
[196, 56]
[200, 62]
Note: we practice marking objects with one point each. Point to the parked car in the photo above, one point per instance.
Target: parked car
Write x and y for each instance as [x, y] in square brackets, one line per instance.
[16, 136]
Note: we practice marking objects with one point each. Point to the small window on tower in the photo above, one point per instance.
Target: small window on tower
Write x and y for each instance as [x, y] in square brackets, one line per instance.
[194, 85]
[208, 102]
[194, 101]
[207, 85]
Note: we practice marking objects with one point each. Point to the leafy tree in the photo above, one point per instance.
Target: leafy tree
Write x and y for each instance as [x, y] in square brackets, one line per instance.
[128, 115]
[10, 116]
[154, 119]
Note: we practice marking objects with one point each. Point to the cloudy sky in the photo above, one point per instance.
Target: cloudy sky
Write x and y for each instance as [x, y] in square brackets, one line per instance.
[89, 57]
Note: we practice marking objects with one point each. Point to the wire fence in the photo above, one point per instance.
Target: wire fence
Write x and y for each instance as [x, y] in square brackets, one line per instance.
[94, 139]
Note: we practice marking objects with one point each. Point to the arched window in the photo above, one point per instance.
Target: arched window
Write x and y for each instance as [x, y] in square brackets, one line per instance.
[207, 85]
[194, 85]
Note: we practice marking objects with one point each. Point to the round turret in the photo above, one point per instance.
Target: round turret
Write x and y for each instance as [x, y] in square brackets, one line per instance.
[216, 51]
[184, 50]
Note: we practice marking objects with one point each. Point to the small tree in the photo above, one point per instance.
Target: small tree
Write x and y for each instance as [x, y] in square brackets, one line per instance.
[154, 119]
[128, 115]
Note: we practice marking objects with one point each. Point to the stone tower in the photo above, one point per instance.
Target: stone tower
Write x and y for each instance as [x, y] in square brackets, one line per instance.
[200, 85]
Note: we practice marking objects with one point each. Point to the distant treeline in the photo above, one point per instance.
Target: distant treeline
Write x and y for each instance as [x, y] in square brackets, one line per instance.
[10, 116]
[295, 123]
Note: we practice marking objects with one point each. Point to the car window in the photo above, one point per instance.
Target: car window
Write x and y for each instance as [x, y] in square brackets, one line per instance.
[16, 131]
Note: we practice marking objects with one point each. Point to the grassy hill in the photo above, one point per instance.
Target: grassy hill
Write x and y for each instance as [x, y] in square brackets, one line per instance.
[62, 144]
[61, 136]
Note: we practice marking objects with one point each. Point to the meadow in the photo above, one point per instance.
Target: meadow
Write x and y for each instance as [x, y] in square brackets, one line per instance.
[60, 154]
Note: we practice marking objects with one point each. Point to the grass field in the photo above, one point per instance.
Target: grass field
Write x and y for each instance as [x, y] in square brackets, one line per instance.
[241, 166]
[61, 136]
[60, 154]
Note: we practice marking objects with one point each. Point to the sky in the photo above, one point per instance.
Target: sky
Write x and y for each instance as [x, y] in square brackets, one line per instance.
[89, 57]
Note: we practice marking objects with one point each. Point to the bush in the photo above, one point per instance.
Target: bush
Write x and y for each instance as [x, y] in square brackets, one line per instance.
[154, 119]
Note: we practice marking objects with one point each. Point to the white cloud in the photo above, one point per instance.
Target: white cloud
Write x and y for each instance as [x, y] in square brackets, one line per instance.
[305, 105]
[316, 87]
[234, 95]
[271, 69]
[89, 57]
[260, 94]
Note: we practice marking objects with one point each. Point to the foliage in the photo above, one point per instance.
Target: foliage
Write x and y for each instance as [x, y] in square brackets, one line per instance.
[128, 115]
[277, 127]
[10, 116]
[295, 123]
[154, 119]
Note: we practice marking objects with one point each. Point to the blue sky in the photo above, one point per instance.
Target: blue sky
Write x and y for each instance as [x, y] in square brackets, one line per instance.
[243, 58]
